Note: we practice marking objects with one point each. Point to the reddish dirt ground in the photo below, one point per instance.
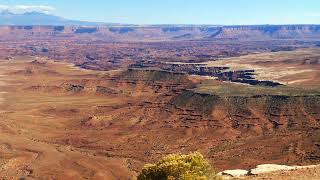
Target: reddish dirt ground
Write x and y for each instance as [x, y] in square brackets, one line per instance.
[59, 122]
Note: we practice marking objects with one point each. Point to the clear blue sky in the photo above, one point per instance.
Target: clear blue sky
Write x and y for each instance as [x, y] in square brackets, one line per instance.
[183, 11]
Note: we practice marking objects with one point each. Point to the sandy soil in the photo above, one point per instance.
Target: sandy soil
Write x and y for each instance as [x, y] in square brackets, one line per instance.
[289, 68]
[54, 125]
[28, 147]
[2, 93]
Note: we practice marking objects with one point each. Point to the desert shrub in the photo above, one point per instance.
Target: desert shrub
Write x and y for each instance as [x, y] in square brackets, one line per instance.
[179, 167]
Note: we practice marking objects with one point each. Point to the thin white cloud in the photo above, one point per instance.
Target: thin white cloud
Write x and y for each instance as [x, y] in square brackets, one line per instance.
[313, 14]
[27, 8]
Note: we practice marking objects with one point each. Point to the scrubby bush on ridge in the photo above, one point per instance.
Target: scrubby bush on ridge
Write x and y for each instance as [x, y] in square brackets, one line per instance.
[179, 167]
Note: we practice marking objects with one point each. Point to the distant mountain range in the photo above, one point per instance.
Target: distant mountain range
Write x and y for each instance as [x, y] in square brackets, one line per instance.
[164, 32]
[39, 18]
[41, 24]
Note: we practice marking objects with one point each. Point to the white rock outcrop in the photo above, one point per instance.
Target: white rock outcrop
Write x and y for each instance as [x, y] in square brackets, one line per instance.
[266, 168]
[260, 169]
[234, 173]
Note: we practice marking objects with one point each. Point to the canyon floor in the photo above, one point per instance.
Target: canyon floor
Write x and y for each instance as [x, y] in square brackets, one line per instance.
[61, 122]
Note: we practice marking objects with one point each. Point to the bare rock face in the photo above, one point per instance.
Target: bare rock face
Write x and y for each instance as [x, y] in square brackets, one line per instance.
[172, 33]
[233, 173]
[267, 168]
[261, 169]
[265, 112]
